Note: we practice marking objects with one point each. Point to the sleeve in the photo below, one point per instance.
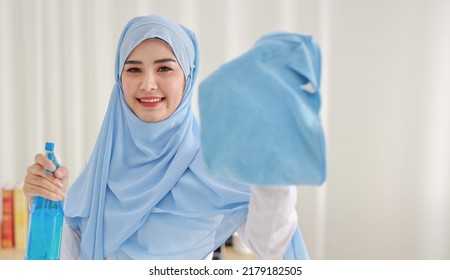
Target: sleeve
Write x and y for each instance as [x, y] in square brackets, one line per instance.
[271, 230]
[70, 244]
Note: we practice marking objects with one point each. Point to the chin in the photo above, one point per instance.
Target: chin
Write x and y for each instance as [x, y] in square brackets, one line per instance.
[150, 119]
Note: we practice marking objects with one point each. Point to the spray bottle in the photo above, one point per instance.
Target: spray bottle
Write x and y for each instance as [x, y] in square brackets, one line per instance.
[46, 221]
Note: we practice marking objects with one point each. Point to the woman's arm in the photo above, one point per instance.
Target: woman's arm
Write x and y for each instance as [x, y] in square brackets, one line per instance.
[271, 221]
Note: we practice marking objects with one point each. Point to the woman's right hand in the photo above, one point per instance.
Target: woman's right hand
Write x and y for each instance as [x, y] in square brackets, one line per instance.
[39, 183]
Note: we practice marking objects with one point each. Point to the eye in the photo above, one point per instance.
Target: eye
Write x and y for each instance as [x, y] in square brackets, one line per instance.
[164, 69]
[134, 70]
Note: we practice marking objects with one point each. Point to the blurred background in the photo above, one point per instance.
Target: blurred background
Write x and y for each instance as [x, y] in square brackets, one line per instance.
[385, 93]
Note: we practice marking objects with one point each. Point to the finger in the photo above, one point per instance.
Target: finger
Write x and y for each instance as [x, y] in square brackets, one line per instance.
[45, 162]
[62, 174]
[39, 171]
[47, 181]
[35, 190]
[41, 186]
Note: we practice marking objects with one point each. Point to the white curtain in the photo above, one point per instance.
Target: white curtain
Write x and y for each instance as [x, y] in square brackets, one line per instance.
[388, 194]
[385, 103]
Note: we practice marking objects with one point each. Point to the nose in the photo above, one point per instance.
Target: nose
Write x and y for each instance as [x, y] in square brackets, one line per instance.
[149, 82]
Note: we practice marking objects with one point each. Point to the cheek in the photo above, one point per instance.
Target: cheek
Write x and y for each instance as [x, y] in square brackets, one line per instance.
[176, 91]
[127, 88]
[180, 89]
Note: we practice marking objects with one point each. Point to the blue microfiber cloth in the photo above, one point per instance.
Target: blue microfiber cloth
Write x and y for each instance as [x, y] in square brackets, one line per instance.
[259, 114]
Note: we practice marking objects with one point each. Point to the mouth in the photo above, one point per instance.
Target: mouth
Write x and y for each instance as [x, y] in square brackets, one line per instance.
[150, 101]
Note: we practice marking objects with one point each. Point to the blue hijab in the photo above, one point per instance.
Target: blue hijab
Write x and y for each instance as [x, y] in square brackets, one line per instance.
[144, 193]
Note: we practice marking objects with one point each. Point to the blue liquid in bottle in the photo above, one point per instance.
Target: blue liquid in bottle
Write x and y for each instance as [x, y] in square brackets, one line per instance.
[46, 221]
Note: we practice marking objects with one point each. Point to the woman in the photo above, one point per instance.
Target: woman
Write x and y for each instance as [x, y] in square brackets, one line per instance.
[144, 192]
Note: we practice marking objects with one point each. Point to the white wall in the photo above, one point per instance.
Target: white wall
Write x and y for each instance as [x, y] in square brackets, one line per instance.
[385, 97]
[388, 191]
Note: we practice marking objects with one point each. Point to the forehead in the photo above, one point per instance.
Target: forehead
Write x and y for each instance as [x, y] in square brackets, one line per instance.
[153, 47]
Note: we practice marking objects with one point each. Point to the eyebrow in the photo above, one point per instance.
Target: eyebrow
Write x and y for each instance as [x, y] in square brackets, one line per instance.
[158, 61]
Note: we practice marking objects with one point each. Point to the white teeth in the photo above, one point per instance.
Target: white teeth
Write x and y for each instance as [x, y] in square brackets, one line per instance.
[151, 100]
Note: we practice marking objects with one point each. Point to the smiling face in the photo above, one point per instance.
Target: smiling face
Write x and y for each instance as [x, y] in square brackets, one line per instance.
[152, 81]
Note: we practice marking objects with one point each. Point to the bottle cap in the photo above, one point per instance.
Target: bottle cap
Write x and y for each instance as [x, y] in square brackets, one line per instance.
[49, 146]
